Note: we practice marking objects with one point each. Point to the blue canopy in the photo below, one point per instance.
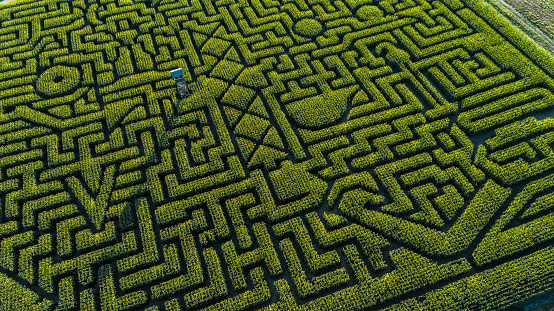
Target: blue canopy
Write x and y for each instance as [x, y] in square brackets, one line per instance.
[176, 73]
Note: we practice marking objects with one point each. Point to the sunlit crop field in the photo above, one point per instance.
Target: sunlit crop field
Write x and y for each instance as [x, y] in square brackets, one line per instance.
[540, 12]
[332, 155]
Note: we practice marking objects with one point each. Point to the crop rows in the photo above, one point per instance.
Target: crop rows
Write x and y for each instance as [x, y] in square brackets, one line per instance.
[344, 155]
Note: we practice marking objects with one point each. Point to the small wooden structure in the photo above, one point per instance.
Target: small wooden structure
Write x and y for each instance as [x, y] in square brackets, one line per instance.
[182, 89]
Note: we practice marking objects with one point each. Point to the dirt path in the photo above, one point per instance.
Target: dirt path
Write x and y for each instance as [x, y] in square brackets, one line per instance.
[539, 12]
[523, 23]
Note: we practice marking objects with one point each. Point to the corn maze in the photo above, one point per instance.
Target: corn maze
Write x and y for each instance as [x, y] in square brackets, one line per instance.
[334, 155]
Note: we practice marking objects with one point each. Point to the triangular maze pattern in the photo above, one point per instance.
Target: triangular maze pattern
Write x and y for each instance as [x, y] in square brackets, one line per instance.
[333, 155]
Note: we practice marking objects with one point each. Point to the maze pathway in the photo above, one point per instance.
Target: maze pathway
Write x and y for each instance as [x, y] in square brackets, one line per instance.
[333, 155]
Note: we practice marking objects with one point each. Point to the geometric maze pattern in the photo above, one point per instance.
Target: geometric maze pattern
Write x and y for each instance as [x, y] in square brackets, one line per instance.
[336, 155]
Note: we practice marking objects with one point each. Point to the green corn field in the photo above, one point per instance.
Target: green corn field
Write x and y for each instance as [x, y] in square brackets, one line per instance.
[332, 155]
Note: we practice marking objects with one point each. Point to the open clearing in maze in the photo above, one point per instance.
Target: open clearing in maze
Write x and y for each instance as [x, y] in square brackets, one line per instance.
[337, 155]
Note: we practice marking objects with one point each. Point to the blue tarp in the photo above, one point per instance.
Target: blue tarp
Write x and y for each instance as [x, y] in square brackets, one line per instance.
[176, 73]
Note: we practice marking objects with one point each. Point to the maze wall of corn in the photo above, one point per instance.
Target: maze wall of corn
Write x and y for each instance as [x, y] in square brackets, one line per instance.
[333, 155]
